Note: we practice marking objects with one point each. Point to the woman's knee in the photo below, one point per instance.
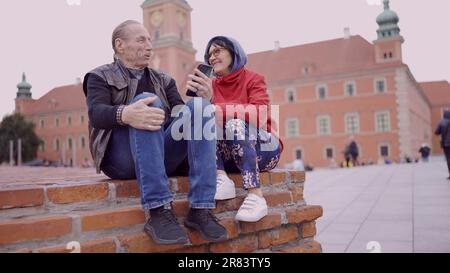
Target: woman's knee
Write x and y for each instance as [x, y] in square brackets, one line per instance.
[235, 124]
[238, 129]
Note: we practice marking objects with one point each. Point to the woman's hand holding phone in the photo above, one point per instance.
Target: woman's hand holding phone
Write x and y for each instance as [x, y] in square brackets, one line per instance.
[200, 84]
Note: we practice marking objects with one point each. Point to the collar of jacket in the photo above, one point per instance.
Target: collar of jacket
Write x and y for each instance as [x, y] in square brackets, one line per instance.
[120, 77]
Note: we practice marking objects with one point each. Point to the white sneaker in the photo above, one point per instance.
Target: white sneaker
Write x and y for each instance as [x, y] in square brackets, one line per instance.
[225, 188]
[252, 209]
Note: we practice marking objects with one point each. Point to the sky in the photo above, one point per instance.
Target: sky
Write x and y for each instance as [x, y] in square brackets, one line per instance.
[56, 41]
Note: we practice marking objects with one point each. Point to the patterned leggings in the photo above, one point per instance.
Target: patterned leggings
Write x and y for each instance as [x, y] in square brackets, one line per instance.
[248, 151]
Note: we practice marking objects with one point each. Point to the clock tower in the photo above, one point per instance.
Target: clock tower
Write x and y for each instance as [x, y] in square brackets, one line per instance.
[169, 24]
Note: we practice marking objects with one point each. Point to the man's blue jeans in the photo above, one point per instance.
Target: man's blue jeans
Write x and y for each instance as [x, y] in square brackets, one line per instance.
[150, 156]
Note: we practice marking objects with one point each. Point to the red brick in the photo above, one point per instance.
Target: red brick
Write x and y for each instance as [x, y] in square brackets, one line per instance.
[308, 229]
[297, 176]
[112, 219]
[141, 243]
[97, 246]
[180, 208]
[277, 237]
[183, 184]
[272, 220]
[306, 213]
[127, 189]
[297, 192]
[240, 245]
[309, 247]
[278, 198]
[277, 177]
[264, 178]
[19, 198]
[13, 231]
[237, 178]
[78, 193]
[229, 205]
[231, 226]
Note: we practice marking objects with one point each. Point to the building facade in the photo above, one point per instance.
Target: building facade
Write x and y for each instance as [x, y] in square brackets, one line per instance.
[61, 121]
[438, 94]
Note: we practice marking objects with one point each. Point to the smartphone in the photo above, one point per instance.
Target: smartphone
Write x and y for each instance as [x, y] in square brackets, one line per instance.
[205, 69]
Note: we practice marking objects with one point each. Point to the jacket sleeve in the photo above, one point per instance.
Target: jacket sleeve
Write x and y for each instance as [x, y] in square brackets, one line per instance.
[102, 114]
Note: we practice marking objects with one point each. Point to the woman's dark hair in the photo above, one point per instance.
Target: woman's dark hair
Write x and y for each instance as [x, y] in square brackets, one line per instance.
[221, 42]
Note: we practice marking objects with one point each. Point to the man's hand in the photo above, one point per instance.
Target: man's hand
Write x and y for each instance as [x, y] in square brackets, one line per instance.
[200, 84]
[140, 115]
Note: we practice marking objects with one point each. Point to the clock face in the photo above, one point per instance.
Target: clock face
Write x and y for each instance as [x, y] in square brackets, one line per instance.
[156, 18]
[181, 18]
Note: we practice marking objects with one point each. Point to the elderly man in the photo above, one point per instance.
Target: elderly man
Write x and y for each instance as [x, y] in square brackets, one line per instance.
[131, 136]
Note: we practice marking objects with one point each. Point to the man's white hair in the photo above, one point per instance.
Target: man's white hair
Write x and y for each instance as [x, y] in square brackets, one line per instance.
[120, 32]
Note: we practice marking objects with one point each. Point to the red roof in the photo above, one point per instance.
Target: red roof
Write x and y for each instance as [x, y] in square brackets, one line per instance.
[438, 93]
[323, 58]
[64, 98]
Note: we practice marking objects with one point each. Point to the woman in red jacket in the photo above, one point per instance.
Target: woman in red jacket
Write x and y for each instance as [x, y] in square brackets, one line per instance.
[247, 142]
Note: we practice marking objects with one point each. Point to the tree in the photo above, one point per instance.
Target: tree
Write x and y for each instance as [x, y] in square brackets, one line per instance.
[14, 127]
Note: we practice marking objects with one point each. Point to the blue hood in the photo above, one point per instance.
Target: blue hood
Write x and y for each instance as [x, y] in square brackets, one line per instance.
[239, 56]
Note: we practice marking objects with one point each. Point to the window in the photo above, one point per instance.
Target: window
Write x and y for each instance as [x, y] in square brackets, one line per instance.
[350, 89]
[298, 153]
[305, 70]
[323, 125]
[322, 92]
[292, 128]
[69, 143]
[69, 121]
[351, 123]
[290, 95]
[384, 150]
[82, 142]
[42, 123]
[57, 144]
[380, 85]
[57, 122]
[82, 119]
[42, 146]
[382, 120]
[329, 152]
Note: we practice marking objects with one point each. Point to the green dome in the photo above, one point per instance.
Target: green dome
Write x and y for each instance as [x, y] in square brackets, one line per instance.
[388, 23]
[24, 89]
[387, 16]
[24, 84]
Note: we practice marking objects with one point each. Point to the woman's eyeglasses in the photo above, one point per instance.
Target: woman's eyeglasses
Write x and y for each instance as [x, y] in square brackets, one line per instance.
[215, 52]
